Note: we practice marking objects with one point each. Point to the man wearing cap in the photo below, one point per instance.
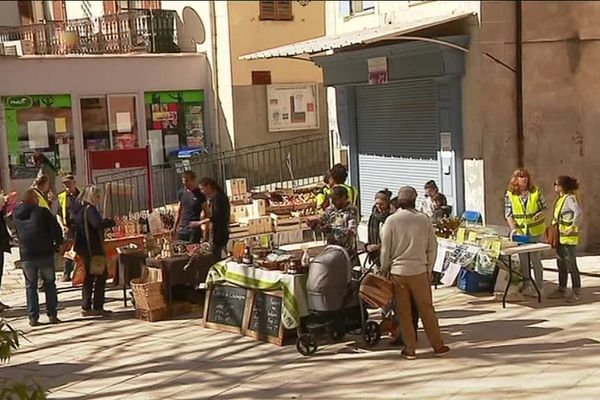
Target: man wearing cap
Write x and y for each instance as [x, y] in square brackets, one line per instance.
[68, 205]
[408, 250]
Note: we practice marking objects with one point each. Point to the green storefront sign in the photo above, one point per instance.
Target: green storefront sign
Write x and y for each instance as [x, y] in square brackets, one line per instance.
[43, 101]
[181, 96]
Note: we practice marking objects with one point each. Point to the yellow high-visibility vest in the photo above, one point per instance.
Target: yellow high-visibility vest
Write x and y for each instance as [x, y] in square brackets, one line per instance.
[524, 219]
[565, 223]
[62, 201]
[42, 201]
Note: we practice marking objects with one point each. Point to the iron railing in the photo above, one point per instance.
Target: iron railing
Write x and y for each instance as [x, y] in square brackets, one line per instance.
[284, 164]
[144, 31]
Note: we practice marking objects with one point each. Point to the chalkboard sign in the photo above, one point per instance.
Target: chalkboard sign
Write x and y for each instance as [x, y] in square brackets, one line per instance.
[225, 308]
[265, 317]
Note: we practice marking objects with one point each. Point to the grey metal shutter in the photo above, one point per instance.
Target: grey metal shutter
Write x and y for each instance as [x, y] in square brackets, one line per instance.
[398, 137]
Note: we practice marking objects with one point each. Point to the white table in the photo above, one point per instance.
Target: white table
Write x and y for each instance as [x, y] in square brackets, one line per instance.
[523, 249]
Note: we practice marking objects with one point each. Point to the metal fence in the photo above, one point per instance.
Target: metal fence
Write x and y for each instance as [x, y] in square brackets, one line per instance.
[284, 164]
[136, 30]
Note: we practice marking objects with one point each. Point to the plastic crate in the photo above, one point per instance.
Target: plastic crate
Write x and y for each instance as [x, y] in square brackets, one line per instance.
[472, 282]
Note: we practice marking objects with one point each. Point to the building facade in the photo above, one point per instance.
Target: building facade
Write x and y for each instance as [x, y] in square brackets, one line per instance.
[419, 89]
[105, 75]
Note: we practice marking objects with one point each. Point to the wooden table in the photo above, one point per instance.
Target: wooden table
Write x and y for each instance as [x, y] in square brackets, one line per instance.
[174, 273]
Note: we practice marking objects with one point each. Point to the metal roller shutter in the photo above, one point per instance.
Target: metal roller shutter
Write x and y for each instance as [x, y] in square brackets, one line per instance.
[398, 137]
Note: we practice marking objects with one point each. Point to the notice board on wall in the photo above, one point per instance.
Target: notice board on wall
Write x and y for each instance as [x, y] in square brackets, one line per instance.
[292, 107]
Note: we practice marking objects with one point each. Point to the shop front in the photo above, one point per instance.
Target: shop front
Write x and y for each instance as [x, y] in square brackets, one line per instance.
[399, 111]
[174, 120]
[106, 105]
[34, 125]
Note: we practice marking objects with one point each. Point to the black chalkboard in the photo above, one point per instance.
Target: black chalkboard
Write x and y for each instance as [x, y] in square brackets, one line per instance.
[226, 305]
[266, 314]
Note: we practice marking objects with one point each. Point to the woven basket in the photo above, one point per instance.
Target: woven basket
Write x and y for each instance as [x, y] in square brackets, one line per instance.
[158, 314]
[147, 295]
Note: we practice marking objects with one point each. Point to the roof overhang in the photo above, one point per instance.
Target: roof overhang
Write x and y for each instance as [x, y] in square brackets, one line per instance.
[311, 47]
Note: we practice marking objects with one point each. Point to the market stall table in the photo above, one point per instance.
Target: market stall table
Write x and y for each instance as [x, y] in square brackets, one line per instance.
[174, 272]
[261, 283]
[522, 249]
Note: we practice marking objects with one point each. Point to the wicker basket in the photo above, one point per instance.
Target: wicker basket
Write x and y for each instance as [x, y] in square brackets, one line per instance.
[147, 295]
[158, 314]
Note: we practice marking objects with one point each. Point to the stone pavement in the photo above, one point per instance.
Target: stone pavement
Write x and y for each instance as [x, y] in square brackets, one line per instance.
[526, 351]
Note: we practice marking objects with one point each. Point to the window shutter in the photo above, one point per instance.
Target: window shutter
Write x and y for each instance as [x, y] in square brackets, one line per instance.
[110, 7]
[261, 77]
[284, 10]
[267, 10]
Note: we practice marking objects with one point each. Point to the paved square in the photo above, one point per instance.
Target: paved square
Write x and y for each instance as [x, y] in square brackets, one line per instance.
[547, 351]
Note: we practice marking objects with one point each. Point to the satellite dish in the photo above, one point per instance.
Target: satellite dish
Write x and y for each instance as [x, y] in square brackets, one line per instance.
[193, 26]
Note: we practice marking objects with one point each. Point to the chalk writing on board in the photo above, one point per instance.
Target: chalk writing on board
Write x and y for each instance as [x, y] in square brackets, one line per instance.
[226, 305]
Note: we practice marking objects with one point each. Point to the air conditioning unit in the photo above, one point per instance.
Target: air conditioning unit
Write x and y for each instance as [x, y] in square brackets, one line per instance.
[17, 48]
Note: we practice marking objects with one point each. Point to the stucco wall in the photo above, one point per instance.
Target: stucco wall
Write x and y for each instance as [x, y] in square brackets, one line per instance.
[561, 101]
[250, 103]
[98, 75]
[248, 34]
[9, 13]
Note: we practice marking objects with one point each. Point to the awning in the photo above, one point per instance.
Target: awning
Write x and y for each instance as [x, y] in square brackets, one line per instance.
[365, 36]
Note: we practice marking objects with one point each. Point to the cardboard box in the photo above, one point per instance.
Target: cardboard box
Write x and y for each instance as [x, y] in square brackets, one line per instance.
[259, 208]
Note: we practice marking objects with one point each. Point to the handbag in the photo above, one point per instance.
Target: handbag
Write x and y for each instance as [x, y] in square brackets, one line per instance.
[551, 236]
[97, 262]
[376, 290]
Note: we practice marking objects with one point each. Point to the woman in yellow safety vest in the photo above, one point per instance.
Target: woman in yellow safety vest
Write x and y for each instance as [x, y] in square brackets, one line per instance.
[337, 177]
[567, 215]
[524, 207]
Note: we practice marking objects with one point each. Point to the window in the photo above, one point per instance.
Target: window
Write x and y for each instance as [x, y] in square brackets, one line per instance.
[355, 7]
[109, 122]
[275, 10]
[38, 124]
[174, 120]
[261, 77]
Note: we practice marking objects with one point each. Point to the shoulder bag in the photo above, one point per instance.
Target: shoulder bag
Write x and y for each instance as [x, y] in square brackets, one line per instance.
[551, 233]
[98, 262]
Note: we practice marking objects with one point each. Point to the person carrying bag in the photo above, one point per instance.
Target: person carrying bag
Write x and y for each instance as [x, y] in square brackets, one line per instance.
[89, 247]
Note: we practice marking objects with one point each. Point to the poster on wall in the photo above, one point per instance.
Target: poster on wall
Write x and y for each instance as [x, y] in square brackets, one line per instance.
[474, 187]
[292, 107]
[378, 73]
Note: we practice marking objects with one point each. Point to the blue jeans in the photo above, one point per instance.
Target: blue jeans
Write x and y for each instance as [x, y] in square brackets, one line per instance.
[45, 267]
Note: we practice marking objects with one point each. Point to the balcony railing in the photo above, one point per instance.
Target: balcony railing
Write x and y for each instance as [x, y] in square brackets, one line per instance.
[133, 31]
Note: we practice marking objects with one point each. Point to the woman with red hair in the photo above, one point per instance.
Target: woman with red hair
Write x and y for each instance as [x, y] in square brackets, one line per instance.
[524, 207]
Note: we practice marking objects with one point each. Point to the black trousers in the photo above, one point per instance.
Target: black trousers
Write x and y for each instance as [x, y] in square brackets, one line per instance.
[93, 288]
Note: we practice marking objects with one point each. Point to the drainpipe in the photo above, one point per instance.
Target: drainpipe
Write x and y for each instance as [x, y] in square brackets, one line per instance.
[215, 87]
[519, 83]
[48, 10]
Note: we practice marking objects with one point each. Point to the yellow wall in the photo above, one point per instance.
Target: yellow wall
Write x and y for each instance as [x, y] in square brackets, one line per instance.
[248, 34]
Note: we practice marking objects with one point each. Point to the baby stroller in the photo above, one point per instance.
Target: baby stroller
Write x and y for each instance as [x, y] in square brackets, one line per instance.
[333, 301]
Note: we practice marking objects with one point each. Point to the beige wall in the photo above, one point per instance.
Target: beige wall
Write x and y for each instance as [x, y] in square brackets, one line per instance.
[250, 103]
[561, 80]
[9, 13]
[248, 34]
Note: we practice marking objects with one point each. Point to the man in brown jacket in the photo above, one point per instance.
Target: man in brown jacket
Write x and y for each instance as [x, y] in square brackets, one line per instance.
[408, 251]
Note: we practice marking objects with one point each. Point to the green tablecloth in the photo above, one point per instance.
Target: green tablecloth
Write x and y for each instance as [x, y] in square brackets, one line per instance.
[293, 287]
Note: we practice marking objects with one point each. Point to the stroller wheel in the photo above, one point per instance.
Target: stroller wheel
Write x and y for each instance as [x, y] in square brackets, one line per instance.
[306, 344]
[372, 333]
